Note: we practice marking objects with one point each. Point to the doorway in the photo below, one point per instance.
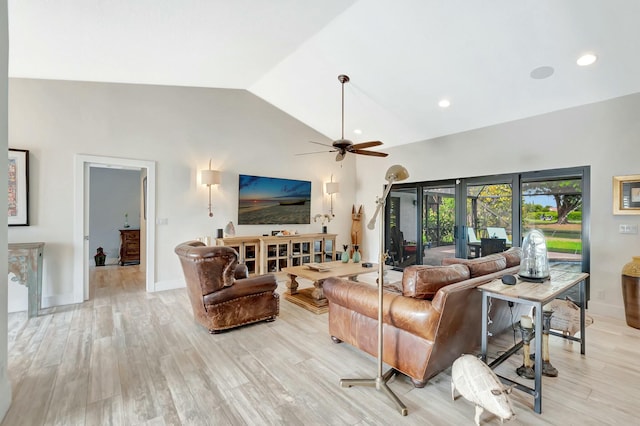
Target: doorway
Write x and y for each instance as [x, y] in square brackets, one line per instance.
[83, 164]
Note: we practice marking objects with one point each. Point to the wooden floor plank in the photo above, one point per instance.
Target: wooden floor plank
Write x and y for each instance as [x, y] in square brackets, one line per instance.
[127, 357]
[104, 380]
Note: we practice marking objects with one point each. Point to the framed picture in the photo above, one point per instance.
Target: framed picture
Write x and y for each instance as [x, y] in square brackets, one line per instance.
[626, 194]
[18, 203]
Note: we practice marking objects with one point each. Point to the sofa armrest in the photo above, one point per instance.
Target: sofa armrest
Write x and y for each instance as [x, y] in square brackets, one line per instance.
[241, 288]
[415, 316]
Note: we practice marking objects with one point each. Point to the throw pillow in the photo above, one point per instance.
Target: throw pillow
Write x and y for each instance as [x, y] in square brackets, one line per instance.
[481, 265]
[423, 281]
[513, 256]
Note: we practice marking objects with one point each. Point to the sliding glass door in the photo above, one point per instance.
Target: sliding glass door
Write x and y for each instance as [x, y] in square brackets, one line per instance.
[472, 217]
[401, 242]
[438, 223]
[488, 216]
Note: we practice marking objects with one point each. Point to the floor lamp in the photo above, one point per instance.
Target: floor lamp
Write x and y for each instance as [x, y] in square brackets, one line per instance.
[394, 173]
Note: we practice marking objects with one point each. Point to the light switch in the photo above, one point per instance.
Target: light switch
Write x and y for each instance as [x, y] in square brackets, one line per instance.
[628, 229]
[162, 221]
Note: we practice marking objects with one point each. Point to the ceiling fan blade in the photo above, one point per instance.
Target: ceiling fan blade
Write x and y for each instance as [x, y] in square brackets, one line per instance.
[371, 153]
[323, 144]
[315, 152]
[366, 145]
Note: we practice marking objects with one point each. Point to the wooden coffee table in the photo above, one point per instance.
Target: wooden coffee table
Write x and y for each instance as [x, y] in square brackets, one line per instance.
[312, 298]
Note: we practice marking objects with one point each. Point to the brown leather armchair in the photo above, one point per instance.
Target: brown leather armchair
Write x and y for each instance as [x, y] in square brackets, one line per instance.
[221, 293]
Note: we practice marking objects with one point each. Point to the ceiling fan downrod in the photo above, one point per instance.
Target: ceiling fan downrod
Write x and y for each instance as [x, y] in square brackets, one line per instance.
[343, 79]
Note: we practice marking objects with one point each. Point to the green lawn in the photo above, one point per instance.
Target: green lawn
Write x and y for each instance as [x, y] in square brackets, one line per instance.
[564, 246]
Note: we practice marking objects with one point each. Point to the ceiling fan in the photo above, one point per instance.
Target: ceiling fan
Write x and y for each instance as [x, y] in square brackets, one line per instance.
[342, 146]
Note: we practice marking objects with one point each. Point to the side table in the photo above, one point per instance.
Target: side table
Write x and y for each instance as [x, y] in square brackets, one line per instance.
[536, 295]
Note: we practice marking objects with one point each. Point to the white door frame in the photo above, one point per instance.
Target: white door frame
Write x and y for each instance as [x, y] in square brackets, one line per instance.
[81, 216]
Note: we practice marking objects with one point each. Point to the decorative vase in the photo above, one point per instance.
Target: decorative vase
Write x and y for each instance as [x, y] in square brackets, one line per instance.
[229, 230]
[356, 254]
[631, 292]
[100, 257]
[345, 253]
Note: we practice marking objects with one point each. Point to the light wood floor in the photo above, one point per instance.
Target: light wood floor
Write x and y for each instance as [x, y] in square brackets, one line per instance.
[130, 358]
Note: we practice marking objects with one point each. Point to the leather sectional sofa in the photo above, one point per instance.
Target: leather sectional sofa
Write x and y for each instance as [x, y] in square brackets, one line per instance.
[430, 321]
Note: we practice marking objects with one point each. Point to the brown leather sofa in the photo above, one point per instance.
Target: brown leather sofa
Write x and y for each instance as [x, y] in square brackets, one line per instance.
[428, 323]
[221, 293]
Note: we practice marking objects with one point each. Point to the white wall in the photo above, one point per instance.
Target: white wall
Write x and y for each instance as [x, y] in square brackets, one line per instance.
[114, 192]
[5, 386]
[178, 127]
[181, 128]
[605, 136]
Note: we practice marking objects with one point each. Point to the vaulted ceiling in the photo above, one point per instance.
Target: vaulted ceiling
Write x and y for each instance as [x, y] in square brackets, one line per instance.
[403, 57]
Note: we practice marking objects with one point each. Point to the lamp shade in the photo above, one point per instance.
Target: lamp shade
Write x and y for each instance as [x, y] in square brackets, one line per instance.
[396, 173]
[209, 177]
[332, 187]
[534, 265]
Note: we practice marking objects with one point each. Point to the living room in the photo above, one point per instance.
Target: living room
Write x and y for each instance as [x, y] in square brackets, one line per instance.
[180, 128]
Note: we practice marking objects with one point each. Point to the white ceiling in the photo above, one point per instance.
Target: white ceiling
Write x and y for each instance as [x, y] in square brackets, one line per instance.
[402, 56]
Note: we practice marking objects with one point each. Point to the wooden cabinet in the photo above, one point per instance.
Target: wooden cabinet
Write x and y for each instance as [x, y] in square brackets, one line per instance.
[248, 249]
[129, 246]
[264, 254]
[295, 250]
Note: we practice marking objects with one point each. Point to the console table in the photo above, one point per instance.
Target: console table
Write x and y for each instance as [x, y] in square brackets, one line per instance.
[536, 295]
[267, 254]
[25, 262]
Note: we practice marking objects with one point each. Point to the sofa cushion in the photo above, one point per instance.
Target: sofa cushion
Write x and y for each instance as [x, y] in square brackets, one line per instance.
[423, 281]
[481, 265]
[513, 256]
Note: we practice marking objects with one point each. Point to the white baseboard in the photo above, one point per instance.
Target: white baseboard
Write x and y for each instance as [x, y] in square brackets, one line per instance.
[57, 300]
[5, 394]
[169, 285]
[18, 299]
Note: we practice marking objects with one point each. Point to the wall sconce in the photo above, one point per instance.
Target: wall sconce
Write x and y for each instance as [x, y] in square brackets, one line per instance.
[209, 177]
[332, 188]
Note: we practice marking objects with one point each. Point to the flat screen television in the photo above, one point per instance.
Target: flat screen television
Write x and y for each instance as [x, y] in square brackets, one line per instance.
[267, 200]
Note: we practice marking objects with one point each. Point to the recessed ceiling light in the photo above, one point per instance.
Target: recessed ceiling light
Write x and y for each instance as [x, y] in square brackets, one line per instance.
[587, 59]
[542, 72]
[444, 103]
[357, 131]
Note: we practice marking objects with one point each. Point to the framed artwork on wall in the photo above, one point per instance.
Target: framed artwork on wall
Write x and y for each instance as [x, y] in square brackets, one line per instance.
[626, 194]
[18, 202]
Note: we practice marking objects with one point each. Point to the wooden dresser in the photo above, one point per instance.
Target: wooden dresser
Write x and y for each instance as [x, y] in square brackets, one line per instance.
[129, 246]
